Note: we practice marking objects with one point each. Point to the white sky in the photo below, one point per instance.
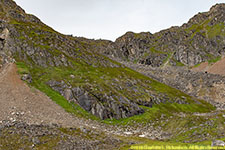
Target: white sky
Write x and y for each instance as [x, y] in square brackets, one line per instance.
[109, 19]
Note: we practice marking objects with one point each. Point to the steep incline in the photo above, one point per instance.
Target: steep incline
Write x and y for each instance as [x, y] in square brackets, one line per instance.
[20, 103]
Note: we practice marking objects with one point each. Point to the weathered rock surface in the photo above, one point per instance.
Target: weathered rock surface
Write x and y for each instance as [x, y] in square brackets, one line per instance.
[218, 143]
[102, 106]
[199, 40]
[209, 87]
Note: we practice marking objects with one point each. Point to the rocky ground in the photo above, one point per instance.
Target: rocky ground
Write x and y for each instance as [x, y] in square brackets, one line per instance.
[18, 135]
[202, 85]
[30, 117]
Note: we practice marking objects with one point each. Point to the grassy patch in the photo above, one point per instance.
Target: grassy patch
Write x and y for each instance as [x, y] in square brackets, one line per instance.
[153, 50]
[170, 55]
[151, 114]
[22, 68]
[214, 60]
[197, 65]
[215, 30]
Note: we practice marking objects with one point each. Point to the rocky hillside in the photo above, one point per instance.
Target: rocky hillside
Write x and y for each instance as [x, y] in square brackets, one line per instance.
[51, 61]
[201, 39]
[105, 104]
[170, 56]
[209, 87]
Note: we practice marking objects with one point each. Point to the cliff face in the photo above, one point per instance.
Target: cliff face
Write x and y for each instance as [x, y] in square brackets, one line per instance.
[201, 39]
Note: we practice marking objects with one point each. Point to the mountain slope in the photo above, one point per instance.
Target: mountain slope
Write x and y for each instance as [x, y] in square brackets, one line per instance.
[28, 105]
[201, 39]
[68, 65]
[75, 74]
[171, 55]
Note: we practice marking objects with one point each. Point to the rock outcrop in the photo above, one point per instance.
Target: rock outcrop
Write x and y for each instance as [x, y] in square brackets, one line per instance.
[201, 39]
[103, 106]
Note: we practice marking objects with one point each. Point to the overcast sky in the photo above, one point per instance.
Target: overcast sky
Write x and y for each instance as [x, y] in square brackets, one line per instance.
[109, 19]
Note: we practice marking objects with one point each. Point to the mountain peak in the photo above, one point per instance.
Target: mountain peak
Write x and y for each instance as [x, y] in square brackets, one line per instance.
[214, 15]
[10, 11]
[218, 8]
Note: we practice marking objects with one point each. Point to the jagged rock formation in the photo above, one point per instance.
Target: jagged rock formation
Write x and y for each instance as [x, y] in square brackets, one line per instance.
[199, 40]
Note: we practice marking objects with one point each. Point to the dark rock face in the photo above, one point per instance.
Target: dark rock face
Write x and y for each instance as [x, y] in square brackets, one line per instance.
[103, 106]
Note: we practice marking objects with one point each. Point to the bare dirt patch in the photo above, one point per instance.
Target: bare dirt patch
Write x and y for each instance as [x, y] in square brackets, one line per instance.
[216, 68]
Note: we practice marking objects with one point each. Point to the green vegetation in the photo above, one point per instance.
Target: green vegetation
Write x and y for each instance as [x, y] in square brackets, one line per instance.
[168, 110]
[55, 96]
[153, 50]
[154, 113]
[165, 61]
[198, 28]
[187, 128]
[197, 65]
[22, 68]
[180, 64]
[48, 137]
[211, 61]
[215, 30]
